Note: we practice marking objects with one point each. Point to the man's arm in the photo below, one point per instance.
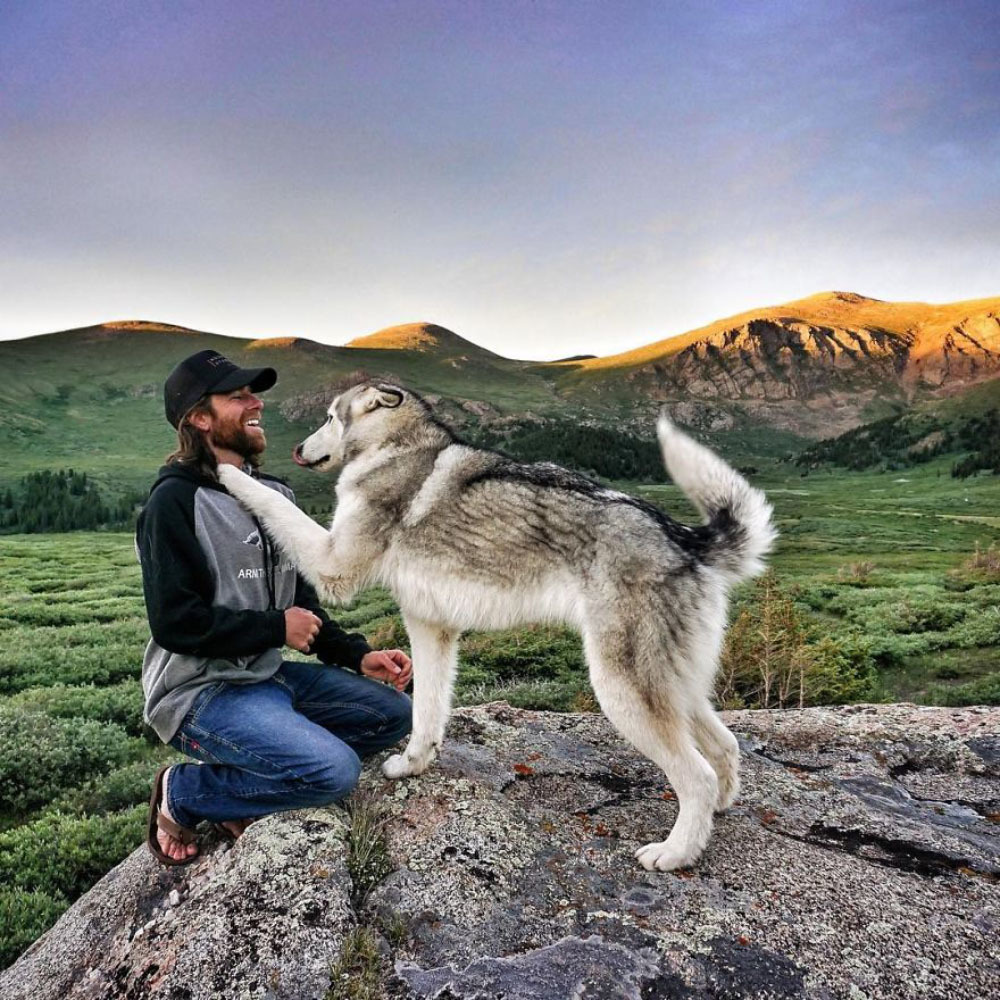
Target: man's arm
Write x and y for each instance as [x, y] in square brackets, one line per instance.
[177, 585]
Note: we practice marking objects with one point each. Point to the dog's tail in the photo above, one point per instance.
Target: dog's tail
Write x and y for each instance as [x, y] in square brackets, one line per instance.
[737, 515]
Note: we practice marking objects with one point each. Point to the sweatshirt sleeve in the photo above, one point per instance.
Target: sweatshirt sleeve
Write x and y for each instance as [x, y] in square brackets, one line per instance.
[333, 644]
[177, 585]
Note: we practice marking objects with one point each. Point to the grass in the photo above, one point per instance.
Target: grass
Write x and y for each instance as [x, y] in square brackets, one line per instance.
[884, 563]
[357, 973]
[367, 854]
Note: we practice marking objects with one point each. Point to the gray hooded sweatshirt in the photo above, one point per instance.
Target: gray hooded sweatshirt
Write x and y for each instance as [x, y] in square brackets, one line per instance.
[216, 591]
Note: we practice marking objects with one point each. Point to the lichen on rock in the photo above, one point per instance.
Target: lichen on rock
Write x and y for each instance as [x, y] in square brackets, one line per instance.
[861, 861]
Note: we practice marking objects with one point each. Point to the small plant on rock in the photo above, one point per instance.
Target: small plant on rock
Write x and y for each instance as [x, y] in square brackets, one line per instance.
[367, 854]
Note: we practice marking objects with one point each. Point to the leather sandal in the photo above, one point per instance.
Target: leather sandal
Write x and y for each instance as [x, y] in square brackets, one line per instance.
[157, 821]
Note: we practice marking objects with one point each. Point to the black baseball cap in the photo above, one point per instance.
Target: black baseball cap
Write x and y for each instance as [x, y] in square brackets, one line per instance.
[207, 372]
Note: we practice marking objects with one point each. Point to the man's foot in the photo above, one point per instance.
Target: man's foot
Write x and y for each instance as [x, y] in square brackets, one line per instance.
[232, 829]
[167, 840]
[171, 846]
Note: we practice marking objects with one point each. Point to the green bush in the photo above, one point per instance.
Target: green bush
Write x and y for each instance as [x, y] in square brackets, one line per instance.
[40, 755]
[370, 605]
[63, 856]
[838, 673]
[119, 789]
[911, 616]
[982, 629]
[542, 696]
[24, 916]
[121, 703]
[37, 661]
[981, 691]
[538, 652]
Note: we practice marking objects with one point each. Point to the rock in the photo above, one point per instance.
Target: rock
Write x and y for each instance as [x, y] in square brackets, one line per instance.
[263, 920]
[862, 861]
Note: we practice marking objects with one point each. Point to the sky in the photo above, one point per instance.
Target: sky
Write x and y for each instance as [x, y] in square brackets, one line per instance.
[543, 178]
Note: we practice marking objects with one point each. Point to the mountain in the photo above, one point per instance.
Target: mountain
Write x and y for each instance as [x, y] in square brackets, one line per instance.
[816, 366]
[771, 379]
[422, 337]
[90, 398]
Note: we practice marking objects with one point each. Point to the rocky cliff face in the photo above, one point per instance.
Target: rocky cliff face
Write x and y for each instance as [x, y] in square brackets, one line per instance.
[785, 372]
[815, 365]
[862, 861]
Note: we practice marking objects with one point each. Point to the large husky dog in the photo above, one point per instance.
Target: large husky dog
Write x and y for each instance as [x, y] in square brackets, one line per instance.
[470, 539]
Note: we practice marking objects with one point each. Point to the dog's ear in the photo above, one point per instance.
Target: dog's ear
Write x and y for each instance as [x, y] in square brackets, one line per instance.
[383, 395]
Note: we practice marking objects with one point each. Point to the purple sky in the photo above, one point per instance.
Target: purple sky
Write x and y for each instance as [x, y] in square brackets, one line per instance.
[542, 178]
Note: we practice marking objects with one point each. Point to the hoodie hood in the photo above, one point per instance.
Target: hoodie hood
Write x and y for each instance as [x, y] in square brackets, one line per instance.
[180, 470]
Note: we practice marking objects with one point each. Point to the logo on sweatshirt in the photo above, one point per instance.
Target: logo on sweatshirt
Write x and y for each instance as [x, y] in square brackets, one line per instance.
[254, 539]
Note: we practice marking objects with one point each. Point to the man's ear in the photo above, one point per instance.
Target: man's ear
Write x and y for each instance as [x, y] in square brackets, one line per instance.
[383, 395]
[200, 421]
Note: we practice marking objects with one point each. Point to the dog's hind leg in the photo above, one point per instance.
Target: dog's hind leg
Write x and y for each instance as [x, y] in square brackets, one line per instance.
[435, 660]
[660, 731]
[719, 745]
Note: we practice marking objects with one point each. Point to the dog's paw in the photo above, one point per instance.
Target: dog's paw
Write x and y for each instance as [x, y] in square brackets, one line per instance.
[231, 477]
[400, 766]
[729, 792]
[662, 856]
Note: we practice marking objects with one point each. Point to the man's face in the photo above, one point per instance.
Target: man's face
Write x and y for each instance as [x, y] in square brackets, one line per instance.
[235, 422]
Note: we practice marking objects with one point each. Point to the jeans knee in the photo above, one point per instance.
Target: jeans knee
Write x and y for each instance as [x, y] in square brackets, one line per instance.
[339, 778]
[400, 720]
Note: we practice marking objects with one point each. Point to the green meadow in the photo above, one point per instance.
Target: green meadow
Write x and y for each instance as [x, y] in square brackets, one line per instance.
[874, 584]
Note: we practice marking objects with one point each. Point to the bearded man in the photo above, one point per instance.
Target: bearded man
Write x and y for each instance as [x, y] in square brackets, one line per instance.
[270, 734]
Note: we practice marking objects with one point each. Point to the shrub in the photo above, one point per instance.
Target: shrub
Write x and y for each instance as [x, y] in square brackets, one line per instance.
[63, 856]
[837, 673]
[985, 562]
[37, 658]
[119, 789]
[982, 691]
[981, 629]
[24, 917]
[41, 755]
[121, 703]
[370, 605]
[856, 570]
[542, 696]
[388, 634]
[540, 651]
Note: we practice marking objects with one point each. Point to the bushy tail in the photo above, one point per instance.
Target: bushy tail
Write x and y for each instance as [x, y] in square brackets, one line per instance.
[738, 515]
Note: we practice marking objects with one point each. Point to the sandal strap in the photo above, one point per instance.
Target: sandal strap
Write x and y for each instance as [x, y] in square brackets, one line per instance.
[175, 830]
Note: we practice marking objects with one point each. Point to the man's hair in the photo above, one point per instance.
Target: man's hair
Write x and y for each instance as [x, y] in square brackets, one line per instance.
[192, 446]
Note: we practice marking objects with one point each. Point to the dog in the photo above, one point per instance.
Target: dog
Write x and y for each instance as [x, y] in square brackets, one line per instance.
[466, 538]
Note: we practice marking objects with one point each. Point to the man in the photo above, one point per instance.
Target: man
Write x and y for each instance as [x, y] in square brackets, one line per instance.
[222, 602]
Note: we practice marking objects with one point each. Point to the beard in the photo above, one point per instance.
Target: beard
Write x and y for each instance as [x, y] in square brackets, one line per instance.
[235, 437]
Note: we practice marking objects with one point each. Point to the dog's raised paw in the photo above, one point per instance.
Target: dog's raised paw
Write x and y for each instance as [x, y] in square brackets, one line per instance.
[661, 856]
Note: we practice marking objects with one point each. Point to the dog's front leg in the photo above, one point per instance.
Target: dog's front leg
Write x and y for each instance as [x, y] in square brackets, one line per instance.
[435, 659]
[307, 544]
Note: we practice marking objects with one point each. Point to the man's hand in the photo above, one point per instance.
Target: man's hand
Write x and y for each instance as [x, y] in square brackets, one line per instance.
[390, 665]
[301, 627]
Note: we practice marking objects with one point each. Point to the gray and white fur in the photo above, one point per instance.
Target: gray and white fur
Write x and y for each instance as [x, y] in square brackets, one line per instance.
[469, 539]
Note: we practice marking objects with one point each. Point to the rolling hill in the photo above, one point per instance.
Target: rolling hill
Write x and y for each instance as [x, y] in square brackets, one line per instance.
[768, 380]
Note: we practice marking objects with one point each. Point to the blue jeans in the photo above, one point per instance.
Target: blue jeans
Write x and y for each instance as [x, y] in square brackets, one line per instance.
[290, 742]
